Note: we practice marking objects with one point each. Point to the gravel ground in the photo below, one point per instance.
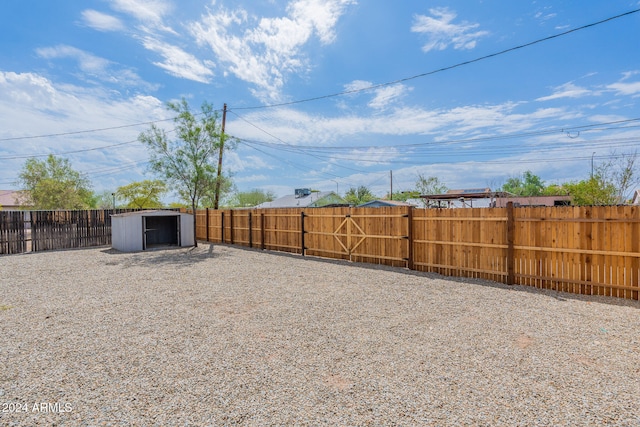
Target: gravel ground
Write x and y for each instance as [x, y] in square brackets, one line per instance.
[226, 336]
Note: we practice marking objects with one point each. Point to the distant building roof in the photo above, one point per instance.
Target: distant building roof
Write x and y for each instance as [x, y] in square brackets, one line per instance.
[8, 199]
[383, 203]
[312, 200]
[636, 198]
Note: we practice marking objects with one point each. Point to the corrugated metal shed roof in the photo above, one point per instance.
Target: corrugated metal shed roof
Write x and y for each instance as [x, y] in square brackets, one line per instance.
[151, 212]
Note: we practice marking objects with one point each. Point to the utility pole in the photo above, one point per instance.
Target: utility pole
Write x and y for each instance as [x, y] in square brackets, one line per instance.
[216, 202]
[391, 179]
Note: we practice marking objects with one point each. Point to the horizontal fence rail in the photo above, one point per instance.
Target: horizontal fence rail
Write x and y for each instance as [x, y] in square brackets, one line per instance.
[582, 250]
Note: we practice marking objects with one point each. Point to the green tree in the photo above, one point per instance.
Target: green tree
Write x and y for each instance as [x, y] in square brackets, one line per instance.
[526, 185]
[555, 190]
[209, 198]
[430, 185]
[243, 199]
[403, 196]
[188, 162]
[593, 191]
[610, 182]
[178, 205]
[105, 200]
[54, 184]
[621, 171]
[357, 196]
[143, 194]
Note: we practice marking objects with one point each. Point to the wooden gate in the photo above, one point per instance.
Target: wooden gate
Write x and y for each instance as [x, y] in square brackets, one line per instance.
[373, 235]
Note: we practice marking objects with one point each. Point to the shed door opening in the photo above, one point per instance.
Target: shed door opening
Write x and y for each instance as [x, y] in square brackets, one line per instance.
[161, 231]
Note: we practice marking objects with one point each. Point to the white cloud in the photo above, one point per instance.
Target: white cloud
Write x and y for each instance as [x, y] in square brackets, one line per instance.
[180, 63]
[52, 108]
[542, 16]
[624, 88]
[151, 15]
[386, 95]
[88, 63]
[150, 12]
[265, 51]
[236, 163]
[31, 104]
[382, 96]
[298, 128]
[567, 90]
[373, 156]
[545, 14]
[95, 67]
[441, 32]
[101, 21]
[357, 85]
[251, 178]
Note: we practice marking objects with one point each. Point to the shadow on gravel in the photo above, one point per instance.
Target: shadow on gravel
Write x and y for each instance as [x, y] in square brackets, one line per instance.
[166, 256]
[559, 296]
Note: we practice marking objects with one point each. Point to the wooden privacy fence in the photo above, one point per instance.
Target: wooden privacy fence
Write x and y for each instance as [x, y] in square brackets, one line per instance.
[12, 232]
[583, 250]
[26, 231]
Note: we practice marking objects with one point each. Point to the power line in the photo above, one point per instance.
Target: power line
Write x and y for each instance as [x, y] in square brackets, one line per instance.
[374, 158]
[439, 70]
[293, 147]
[448, 143]
[107, 172]
[332, 155]
[52, 135]
[84, 150]
[290, 163]
[94, 173]
[32, 156]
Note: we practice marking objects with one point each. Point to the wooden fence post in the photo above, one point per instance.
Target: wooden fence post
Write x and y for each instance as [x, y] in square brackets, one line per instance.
[250, 232]
[231, 226]
[410, 237]
[262, 233]
[206, 223]
[302, 231]
[222, 226]
[511, 277]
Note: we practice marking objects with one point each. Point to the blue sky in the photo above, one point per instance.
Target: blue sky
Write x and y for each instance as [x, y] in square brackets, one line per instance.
[108, 67]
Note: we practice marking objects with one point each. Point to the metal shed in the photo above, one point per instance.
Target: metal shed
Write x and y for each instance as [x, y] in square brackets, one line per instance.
[142, 230]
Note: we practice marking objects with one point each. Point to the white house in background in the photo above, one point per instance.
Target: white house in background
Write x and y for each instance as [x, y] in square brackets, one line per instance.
[636, 198]
[305, 198]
